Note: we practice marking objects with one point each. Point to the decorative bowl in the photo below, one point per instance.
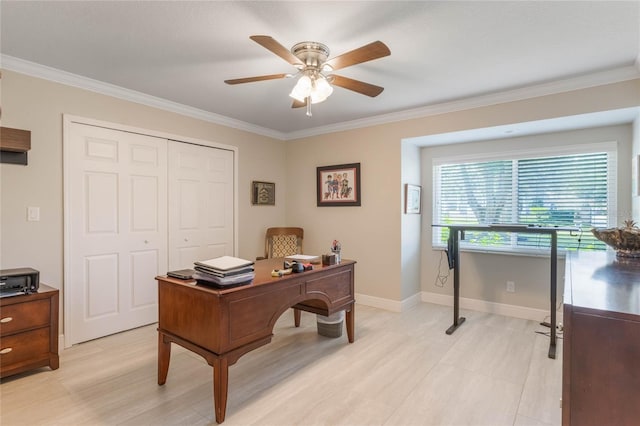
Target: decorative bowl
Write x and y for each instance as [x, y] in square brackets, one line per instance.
[625, 241]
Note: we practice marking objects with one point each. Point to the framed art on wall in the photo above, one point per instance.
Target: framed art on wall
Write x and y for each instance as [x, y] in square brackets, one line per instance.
[338, 186]
[412, 201]
[635, 176]
[263, 193]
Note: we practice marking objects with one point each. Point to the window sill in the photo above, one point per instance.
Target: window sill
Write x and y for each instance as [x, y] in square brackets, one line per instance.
[546, 252]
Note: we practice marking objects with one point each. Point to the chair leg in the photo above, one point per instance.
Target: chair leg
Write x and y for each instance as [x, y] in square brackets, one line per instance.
[296, 316]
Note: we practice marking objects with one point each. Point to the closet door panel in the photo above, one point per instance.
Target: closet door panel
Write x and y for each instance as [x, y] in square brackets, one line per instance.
[116, 232]
[201, 204]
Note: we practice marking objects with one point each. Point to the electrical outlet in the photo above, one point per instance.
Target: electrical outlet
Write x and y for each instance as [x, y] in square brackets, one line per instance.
[511, 286]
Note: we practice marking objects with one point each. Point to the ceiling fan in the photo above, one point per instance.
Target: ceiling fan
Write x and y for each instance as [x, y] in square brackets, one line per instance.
[311, 60]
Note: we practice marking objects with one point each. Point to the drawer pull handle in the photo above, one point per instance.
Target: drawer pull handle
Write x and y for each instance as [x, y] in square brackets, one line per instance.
[5, 351]
[6, 319]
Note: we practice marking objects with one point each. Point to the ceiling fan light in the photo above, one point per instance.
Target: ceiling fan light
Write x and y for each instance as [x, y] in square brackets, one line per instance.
[321, 90]
[302, 89]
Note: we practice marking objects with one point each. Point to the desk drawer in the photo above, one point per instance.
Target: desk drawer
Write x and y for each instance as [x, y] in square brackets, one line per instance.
[24, 316]
[24, 346]
[337, 288]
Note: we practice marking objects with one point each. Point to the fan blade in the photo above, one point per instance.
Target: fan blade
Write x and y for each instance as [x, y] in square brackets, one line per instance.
[271, 44]
[297, 104]
[252, 79]
[371, 51]
[356, 85]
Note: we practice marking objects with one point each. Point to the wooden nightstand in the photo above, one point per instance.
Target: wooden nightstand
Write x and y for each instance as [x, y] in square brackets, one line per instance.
[29, 331]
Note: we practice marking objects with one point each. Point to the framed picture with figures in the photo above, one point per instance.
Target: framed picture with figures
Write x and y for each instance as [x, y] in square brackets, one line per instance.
[338, 186]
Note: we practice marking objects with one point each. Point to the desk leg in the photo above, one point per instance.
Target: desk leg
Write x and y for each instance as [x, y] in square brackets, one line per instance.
[164, 355]
[455, 249]
[553, 295]
[220, 387]
[296, 316]
[350, 319]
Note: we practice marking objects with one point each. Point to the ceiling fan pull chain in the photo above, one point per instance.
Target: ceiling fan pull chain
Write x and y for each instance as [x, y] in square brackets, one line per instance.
[308, 106]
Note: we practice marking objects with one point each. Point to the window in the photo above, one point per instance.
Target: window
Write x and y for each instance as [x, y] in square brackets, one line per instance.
[550, 187]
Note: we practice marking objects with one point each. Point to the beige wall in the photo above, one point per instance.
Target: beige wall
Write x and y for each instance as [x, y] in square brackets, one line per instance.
[411, 224]
[373, 234]
[369, 234]
[38, 105]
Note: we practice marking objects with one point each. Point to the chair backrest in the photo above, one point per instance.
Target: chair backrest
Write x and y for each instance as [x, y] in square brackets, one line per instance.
[281, 242]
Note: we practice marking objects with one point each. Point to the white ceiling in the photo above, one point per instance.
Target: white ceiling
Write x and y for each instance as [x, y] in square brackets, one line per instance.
[442, 53]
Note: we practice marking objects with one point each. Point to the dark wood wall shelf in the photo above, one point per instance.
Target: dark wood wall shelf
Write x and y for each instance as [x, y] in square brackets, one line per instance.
[14, 144]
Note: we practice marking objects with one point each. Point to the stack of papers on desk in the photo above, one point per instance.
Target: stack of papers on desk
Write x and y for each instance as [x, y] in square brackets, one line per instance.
[224, 271]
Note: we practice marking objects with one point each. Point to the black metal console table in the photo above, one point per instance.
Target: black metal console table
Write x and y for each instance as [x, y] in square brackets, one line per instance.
[456, 233]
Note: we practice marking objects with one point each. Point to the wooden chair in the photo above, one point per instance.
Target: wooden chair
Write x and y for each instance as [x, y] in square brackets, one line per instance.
[282, 242]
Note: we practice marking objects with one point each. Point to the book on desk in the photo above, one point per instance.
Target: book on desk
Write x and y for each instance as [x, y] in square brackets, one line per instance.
[224, 271]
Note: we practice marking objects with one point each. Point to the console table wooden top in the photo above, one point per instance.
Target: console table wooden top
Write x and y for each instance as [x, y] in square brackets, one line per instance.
[602, 281]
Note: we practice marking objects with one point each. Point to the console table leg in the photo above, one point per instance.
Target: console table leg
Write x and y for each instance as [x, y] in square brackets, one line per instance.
[350, 320]
[164, 355]
[220, 387]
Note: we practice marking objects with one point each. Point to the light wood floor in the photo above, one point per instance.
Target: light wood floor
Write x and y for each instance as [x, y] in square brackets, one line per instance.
[402, 369]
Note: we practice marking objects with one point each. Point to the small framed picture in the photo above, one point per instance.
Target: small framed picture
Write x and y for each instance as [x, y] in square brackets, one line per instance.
[263, 193]
[635, 176]
[412, 201]
[338, 186]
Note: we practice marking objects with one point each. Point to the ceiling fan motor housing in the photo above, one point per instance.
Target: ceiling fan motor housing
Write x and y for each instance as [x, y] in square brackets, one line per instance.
[311, 53]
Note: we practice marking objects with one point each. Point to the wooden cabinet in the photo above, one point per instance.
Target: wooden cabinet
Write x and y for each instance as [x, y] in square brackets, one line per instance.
[29, 331]
[601, 350]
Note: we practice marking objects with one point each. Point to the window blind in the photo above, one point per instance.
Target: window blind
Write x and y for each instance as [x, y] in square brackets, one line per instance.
[565, 190]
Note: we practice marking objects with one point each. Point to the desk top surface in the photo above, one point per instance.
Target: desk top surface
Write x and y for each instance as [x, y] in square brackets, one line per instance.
[602, 281]
[509, 227]
[263, 276]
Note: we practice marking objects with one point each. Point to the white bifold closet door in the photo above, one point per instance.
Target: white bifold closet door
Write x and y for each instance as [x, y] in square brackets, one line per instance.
[117, 200]
[200, 204]
[136, 206]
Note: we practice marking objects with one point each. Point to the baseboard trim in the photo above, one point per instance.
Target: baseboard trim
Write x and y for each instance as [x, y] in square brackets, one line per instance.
[389, 305]
[514, 311]
[490, 307]
[379, 302]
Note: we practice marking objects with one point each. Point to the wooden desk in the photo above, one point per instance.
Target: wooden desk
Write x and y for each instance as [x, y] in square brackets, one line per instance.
[222, 325]
[456, 233]
[601, 348]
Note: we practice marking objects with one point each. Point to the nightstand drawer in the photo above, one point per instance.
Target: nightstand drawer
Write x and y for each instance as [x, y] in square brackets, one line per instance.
[24, 346]
[24, 316]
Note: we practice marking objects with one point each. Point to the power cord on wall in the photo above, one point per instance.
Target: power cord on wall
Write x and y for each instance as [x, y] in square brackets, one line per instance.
[441, 279]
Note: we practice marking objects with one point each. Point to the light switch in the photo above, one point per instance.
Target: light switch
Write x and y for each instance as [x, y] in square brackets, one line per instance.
[33, 214]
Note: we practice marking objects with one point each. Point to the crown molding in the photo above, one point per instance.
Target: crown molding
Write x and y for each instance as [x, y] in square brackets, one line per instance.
[585, 81]
[548, 88]
[58, 76]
